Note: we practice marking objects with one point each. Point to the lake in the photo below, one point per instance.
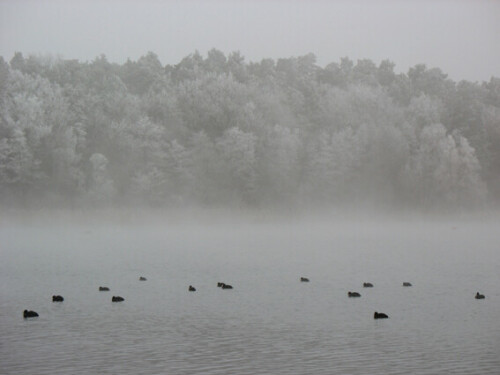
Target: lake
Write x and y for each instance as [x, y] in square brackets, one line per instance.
[270, 323]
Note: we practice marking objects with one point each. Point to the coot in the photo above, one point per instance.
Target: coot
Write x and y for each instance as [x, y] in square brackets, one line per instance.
[378, 315]
[29, 314]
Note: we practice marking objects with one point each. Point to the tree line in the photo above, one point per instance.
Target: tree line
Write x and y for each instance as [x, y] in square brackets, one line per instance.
[217, 131]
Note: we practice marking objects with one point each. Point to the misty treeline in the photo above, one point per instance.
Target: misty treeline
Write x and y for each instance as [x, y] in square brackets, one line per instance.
[218, 131]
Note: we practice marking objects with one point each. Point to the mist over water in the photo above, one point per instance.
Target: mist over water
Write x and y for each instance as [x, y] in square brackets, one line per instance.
[270, 322]
[218, 168]
[255, 175]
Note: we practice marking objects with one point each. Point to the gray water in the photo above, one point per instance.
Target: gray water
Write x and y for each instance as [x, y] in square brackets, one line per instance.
[270, 323]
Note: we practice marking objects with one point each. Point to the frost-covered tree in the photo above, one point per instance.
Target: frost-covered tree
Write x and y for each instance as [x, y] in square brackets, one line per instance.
[237, 154]
[444, 172]
[279, 166]
[216, 130]
[100, 185]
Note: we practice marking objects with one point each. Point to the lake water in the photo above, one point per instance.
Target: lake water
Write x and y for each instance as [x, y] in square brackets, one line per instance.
[270, 323]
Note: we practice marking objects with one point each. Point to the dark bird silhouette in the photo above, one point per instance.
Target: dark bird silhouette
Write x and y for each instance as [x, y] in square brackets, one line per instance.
[142, 278]
[29, 314]
[226, 286]
[192, 288]
[117, 299]
[304, 280]
[367, 285]
[353, 294]
[103, 289]
[480, 296]
[57, 298]
[406, 283]
[378, 315]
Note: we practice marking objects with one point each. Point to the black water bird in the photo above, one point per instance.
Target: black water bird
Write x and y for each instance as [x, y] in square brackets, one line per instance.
[57, 298]
[367, 285]
[192, 288]
[479, 296]
[378, 315]
[117, 299]
[29, 314]
[406, 283]
[142, 278]
[304, 280]
[226, 286]
[103, 289]
[353, 294]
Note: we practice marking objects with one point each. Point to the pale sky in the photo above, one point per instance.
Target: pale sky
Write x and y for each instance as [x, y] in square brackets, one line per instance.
[460, 37]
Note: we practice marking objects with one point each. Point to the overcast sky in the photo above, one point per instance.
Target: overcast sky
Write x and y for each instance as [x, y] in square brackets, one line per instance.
[460, 37]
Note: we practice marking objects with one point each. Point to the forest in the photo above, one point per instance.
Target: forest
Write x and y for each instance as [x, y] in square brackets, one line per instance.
[217, 131]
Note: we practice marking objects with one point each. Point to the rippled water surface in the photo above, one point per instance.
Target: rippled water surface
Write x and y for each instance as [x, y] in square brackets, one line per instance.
[270, 323]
